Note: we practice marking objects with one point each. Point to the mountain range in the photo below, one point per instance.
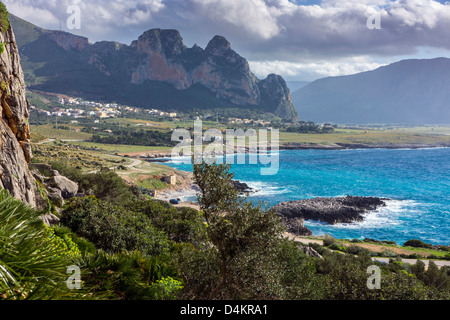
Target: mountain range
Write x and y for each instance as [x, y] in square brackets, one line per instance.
[157, 70]
[406, 92]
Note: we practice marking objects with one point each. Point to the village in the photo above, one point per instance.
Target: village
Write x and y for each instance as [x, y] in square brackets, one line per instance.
[78, 108]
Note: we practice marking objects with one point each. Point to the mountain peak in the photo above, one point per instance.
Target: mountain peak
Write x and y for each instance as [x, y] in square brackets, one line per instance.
[167, 41]
[156, 68]
[218, 44]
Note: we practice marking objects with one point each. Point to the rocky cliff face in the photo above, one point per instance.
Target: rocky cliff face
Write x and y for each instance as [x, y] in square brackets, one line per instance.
[15, 150]
[156, 70]
[160, 55]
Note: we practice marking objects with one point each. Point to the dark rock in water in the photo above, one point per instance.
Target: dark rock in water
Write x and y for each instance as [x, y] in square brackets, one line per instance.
[329, 210]
[296, 226]
[242, 187]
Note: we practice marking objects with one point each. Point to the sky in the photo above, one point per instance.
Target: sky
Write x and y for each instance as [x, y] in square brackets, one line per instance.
[302, 40]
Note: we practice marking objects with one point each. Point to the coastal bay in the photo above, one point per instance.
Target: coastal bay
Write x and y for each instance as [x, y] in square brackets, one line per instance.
[414, 181]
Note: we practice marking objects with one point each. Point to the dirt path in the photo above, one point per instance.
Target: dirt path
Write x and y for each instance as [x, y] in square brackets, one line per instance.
[376, 248]
[303, 239]
[439, 263]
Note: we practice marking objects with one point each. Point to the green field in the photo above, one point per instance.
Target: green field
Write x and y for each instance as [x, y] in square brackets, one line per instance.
[387, 136]
[375, 137]
[59, 134]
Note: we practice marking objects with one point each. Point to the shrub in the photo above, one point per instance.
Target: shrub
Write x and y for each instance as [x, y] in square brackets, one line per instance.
[166, 289]
[130, 275]
[84, 245]
[4, 17]
[336, 246]
[180, 224]
[328, 240]
[63, 244]
[388, 254]
[33, 261]
[104, 184]
[356, 250]
[417, 244]
[113, 228]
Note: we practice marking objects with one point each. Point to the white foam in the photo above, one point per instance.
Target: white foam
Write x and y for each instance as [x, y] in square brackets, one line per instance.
[266, 189]
[390, 214]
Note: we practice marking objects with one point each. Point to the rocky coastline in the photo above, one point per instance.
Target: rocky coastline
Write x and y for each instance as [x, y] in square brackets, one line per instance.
[329, 210]
[352, 146]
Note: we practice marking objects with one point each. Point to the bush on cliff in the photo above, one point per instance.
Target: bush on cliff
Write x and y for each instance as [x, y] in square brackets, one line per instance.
[4, 17]
[113, 228]
[417, 244]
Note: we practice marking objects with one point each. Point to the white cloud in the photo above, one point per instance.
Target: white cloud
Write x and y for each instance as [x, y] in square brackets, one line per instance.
[313, 70]
[296, 38]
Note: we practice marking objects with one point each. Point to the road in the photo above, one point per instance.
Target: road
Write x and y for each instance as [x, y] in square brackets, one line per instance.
[439, 263]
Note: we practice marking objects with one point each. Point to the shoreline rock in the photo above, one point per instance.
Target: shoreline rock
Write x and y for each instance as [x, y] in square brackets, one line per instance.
[330, 210]
[354, 146]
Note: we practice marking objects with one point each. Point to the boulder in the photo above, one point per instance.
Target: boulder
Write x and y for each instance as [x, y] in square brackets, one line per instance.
[49, 219]
[68, 188]
[311, 252]
[55, 195]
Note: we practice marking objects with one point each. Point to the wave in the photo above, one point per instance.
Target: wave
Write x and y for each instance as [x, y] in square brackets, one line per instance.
[266, 189]
[393, 214]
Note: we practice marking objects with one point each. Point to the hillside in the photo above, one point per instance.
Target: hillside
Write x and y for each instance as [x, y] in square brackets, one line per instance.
[406, 92]
[15, 146]
[156, 70]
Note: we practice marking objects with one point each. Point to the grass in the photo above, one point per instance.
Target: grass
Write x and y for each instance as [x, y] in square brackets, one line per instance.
[144, 174]
[375, 137]
[49, 132]
[397, 249]
[121, 149]
[73, 157]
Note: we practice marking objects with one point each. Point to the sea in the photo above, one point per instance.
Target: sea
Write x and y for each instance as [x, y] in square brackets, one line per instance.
[416, 183]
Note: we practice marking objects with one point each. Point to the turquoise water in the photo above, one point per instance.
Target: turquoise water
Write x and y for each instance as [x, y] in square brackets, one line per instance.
[417, 181]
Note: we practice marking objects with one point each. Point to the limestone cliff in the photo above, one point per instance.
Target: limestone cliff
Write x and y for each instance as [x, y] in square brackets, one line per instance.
[156, 70]
[15, 150]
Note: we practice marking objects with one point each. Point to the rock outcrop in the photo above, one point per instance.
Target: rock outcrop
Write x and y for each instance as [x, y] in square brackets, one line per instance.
[58, 188]
[242, 187]
[157, 69]
[330, 210]
[15, 149]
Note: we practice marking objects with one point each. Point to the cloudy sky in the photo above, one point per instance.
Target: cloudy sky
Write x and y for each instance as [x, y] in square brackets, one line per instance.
[302, 40]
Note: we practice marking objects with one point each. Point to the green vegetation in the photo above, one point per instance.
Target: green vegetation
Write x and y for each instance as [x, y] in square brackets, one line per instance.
[33, 260]
[4, 17]
[417, 244]
[134, 247]
[112, 228]
[139, 138]
[310, 127]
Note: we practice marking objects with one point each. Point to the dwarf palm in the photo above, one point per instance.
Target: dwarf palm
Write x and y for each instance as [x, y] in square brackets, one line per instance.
[30, 264]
